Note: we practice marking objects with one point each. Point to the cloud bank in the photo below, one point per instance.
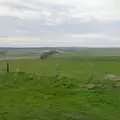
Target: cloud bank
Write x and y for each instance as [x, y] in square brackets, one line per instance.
[60, 23]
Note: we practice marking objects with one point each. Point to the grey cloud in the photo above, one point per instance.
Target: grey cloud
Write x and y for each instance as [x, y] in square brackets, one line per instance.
[15, 26]
[38, 27]
[18, 5]
[37, 6]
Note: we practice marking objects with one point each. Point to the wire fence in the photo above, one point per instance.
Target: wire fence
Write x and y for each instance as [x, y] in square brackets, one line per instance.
[14, 67]
[7, 67]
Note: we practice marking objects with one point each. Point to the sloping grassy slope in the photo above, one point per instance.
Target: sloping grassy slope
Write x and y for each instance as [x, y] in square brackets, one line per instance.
[34, 97]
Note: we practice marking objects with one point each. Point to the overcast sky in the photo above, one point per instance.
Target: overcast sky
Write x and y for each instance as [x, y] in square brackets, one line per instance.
[59, 23]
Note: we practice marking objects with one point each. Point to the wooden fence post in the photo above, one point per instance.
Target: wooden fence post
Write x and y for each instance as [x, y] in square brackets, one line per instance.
[8, 67]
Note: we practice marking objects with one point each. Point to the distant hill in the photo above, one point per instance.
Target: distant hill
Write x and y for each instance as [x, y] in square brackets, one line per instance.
[71, 51]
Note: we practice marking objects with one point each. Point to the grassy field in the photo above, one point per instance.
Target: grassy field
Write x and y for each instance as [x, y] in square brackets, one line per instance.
[79, 92]
[66, 52]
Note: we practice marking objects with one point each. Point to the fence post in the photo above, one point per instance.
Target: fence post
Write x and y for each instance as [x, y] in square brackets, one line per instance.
[8, 67]
[57, 70]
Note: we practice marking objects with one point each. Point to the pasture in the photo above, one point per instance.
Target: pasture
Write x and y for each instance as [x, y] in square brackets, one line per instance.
[78, 92]
[72, 67]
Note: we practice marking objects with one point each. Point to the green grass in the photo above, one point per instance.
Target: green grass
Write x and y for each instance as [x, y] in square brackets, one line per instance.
[36, 93]
[74, 68]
